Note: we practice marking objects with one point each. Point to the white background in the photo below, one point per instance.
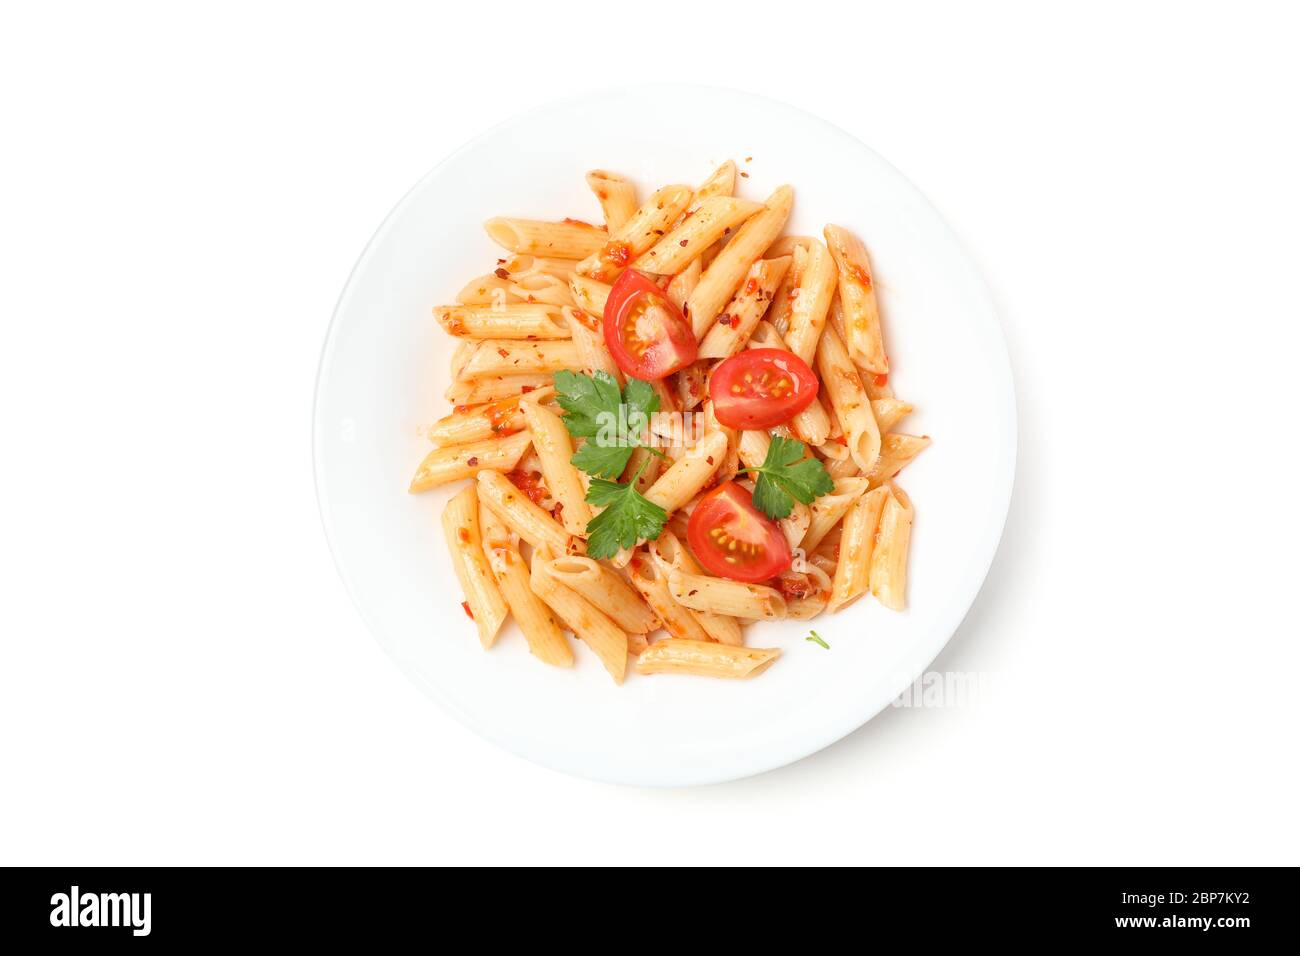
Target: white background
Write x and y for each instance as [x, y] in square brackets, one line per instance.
[183, 189]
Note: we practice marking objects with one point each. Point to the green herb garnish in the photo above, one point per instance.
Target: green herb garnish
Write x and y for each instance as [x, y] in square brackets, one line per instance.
[817, 639]
[613, 422]
[786, 475]
[628, 516]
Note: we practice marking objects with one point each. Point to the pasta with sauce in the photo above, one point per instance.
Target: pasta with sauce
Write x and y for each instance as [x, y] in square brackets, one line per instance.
[760, 480]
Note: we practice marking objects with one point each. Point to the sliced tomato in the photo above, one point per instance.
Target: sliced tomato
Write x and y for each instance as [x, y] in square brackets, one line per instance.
[733, 539]
[759, 388]
[645, 332]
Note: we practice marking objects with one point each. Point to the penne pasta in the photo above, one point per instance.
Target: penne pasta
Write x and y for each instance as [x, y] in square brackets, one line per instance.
[483, 600]
[541, 629]
[877, 386]
[589, 341]
[617, 198]
[514, 357]
[889, 559]
[469, 423]
[896, 452]
[680, 483]
[692, 385]
[683, 284]
[645, 227]
[701, 229]
[810, 301]
[721, 182]
[725, 273]
[491, 388]
[589, 294]
[652, 584]
[555, 448]
[825, 513]
[862, 334]
[487, 290]
[786, 245]
[670, 555]
[588, 622]
[843, 386]
[857, 540]
[705, 659]
[606, 589]
[721, 596]
[795, 525]
[889, 412]
[518, 321]
[526, 519]
[465, 461]
[728, 335]
[731, 458]
[562, 240]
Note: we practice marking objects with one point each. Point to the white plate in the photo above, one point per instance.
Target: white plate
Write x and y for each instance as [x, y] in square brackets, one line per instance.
[384, 369]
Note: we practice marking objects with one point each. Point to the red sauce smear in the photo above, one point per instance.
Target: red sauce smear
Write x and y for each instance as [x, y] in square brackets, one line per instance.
[530, 483]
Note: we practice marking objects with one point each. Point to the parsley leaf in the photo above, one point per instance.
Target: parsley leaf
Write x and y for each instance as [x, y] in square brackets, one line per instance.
[584, 398]
[817, 639]
[595, 459]
[612, 422]
[786, 475]
[628, 516]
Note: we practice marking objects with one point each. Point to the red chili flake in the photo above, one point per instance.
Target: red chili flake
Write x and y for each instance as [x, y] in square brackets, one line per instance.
[724, 319]
[658, 232]
[463, 534]
[525, 389]
[709, 459]
[503, 353]
[683, 242]
[751, 286]
[749, 159]
[530, 483]
[464, 606]
[473, 461]
[557, 510]
[502, 274]
[794, 587]
[617, 254]
[881, 380]
[578, 222]
[745, 174]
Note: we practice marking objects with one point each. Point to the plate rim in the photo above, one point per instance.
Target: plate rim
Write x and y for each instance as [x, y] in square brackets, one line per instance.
[769, 759]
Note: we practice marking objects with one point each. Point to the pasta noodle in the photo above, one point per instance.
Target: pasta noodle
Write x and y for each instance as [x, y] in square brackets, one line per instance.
[705, 658]
[617, 197]
[889, 560]
[563, 240]
[726, 271]
[858, 295]
[591, 626]
[483, 600]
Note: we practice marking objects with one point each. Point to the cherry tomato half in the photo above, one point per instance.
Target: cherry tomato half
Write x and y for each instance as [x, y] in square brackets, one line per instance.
[759, 388]
[646, 333]
[733, 539]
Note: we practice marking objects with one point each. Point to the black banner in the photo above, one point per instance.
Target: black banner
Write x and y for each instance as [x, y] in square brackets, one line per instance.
[195, 905]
